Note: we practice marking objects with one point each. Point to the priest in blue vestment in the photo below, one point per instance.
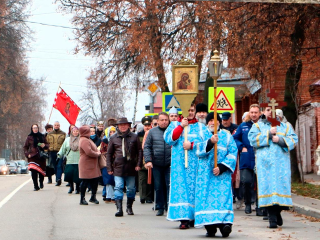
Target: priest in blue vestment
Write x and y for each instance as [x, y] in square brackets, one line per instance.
[214, 200]
[183, 180]
[272, 146]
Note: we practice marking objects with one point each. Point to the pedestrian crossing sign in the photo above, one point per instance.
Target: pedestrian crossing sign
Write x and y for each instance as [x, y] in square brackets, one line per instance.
[225, 99]
[168, 101]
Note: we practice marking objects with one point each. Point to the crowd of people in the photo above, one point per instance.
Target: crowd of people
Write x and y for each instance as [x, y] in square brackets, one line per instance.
[171, 161]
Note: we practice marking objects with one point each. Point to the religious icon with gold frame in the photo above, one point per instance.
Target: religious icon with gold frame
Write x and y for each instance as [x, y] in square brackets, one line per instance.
[184, 79]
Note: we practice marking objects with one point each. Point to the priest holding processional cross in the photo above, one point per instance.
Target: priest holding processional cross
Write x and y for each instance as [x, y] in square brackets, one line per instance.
[273, 140]
[194, 150]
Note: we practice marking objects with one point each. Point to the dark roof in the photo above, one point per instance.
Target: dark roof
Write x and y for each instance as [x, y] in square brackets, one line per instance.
[229, 74]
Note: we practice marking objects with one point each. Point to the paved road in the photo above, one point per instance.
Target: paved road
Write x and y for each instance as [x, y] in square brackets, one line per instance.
[53, 214]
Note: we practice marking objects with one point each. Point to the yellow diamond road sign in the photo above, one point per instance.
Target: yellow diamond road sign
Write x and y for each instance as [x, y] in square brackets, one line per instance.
[225, 99]
[153, 89]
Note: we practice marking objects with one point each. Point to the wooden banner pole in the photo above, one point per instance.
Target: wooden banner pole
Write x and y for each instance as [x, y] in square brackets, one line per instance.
[215, 120]
[186, 151]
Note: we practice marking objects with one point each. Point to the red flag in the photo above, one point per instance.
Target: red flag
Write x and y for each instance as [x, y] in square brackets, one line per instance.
[66, 107]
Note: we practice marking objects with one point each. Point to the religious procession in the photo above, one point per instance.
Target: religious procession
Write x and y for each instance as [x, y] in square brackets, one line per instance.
[172, 119]
[194, 165]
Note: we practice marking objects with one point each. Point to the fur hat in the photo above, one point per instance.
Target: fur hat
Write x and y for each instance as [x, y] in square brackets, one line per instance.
[211, 116]
[201, 107]
[48, 126]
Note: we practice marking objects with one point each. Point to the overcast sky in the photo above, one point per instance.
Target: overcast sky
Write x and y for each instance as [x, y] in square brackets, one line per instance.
[51, 57]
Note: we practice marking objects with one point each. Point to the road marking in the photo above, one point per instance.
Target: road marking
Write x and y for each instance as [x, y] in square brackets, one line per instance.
[7, 198]
[8, 175]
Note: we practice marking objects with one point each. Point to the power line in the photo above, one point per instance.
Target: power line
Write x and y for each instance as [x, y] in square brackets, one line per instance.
[44, 24]
[62, 59]
[39, 80]
[42, 13]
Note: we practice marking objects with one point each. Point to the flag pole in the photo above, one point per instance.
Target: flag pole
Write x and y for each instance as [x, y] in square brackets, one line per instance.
[52, 104]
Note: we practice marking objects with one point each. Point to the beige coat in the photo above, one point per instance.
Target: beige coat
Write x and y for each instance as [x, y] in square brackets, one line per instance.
[88, 163]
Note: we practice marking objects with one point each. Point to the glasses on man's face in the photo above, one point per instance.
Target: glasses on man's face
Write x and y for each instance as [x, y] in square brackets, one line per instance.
[155, 124]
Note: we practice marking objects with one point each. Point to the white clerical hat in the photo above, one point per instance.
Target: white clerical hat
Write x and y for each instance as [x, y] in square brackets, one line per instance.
[173, 110]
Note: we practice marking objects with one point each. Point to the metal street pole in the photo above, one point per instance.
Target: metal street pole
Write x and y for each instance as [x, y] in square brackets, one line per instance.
[151, 104]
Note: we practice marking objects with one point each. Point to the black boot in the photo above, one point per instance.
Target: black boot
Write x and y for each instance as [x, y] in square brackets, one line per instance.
[211, 230]
[77, 189]
[82, 195]
[68, 184]
[58, 183]
[71, 189]
[225, 230]
[160, 212]
[119, 212]
[259, 212]
[272, 217]
[83, 200]
[191, 223]
[49, 179]
[93, 199]
[278, 214]
[248, 210]
[129, 206]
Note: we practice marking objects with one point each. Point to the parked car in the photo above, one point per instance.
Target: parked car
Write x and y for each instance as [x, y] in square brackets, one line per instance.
[13, 167]
[4, 169]
[23, 166]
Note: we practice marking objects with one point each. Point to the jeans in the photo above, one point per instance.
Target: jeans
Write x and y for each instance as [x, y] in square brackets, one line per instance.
[131, 187]
[108, 191]
[59, 169]
[58, 165]
[161, 177]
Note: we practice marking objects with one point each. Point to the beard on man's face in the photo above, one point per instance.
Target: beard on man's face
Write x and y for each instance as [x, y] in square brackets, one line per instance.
[211, 128]
[201, 120]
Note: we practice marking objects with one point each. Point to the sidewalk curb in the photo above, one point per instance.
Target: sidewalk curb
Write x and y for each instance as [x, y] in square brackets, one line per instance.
[309, 211]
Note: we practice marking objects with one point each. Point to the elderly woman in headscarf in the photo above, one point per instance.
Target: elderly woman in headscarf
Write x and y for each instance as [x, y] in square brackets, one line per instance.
[108, 189]
[70, 150]
[35, 143]
[89, 170]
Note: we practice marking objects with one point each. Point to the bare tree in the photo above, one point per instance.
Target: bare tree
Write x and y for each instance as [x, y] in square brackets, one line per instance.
[101, 102]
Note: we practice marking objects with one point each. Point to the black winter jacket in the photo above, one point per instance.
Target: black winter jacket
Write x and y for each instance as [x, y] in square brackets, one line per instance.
[156, 150]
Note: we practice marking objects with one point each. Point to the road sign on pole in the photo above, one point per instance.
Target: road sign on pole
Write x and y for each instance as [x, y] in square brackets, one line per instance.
[225, 99]
[152, 89]
[168, 101]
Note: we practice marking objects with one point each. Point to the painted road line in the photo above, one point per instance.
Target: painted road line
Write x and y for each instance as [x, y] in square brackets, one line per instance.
[7, 198]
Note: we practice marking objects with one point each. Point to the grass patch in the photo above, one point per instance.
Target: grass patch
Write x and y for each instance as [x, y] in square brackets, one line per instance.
[306, 190]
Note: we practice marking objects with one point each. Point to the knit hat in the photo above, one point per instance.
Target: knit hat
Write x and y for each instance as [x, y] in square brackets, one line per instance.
[201, 107]
[112, 128]
[279, 113]
[244, 115]
[211, 116]
[173, 110]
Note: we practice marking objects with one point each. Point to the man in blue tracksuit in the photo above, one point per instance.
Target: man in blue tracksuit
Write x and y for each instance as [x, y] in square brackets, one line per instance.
[247, 159]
